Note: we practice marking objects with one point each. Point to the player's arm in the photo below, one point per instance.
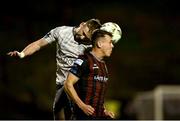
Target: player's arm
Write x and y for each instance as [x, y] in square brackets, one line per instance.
[30, 49]
[69, 88]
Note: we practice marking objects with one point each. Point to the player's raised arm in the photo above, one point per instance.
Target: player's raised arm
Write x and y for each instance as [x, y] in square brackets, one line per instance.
[30, 49]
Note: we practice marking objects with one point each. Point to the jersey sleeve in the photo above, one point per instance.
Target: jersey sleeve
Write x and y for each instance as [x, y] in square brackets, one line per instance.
[80, 67]
[52, 35]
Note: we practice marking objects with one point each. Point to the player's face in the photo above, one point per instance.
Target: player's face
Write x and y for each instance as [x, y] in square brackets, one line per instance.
[83, 35]
[106, 45]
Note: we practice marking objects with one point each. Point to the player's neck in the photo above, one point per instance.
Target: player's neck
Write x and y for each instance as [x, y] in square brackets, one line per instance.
[97, 54]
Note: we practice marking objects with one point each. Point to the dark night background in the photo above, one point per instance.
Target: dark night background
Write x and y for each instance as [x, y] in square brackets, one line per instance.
[148, 54]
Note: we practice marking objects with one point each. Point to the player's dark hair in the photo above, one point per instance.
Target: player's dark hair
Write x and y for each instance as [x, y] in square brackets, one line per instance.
[98, 33]
[93, 24]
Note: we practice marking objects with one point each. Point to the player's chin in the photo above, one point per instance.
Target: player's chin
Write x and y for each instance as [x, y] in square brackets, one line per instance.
[84, 41]
[108, 54]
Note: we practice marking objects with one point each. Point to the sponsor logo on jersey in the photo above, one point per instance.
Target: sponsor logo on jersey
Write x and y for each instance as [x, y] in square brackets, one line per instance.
[79, 62]
[100, 78]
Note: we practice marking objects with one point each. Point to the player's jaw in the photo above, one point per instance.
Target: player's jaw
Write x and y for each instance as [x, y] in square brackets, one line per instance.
[108, 52]
[82, 40]
[107, 46]
[83, 34]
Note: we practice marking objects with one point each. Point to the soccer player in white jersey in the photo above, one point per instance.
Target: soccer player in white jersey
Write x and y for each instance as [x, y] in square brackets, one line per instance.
[71, 41]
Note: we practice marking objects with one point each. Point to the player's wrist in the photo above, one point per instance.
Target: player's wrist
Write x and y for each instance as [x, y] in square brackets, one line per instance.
[21, 54]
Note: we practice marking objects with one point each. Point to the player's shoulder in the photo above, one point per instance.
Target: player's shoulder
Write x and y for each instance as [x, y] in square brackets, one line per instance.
[83, 58]
[64, 27]
[62, 30]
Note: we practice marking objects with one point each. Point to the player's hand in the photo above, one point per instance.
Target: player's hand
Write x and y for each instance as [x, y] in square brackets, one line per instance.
[16, 54]
[109, 114]
[87, 109]
[13, 53]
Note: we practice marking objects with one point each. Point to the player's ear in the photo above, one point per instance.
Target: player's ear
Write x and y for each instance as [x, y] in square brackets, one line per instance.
[99, 44]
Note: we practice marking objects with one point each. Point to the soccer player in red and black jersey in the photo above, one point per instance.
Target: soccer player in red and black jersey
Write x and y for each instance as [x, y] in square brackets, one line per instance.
[87, 80]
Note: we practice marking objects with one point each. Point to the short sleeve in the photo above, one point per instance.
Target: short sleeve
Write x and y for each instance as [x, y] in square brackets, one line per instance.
[52, 35]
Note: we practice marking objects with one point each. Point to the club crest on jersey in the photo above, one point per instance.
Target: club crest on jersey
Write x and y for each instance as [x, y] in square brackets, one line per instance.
[95, 66]
[78, 62]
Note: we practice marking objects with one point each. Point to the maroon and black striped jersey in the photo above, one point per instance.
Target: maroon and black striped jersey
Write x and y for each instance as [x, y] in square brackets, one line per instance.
[92, 83]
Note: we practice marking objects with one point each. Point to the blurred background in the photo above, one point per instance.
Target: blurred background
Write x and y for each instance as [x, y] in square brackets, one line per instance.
[147, 56]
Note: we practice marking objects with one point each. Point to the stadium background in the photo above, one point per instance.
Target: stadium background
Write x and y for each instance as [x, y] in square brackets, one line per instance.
[148, 54]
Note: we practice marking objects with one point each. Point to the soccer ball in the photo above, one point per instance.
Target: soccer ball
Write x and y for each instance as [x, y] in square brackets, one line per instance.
[114, 29]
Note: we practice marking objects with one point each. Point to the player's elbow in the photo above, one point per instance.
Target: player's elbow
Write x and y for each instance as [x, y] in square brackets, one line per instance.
[67, 85]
